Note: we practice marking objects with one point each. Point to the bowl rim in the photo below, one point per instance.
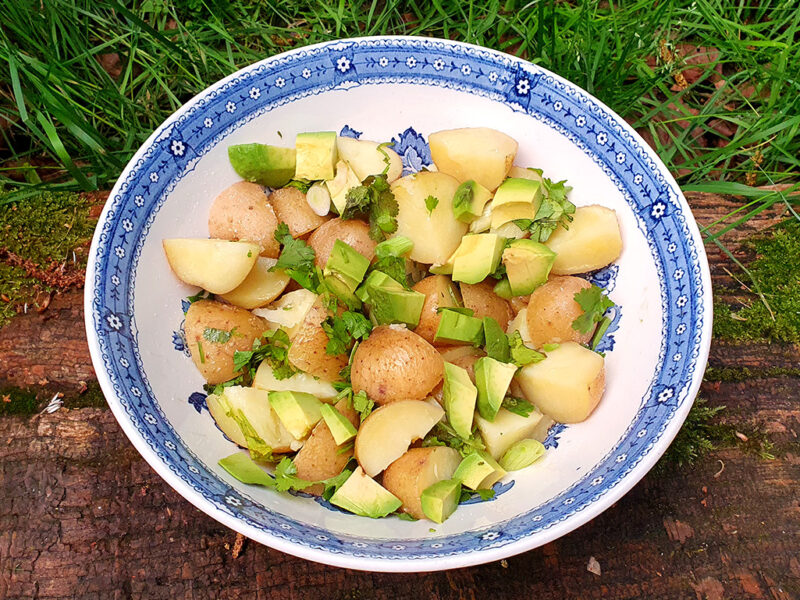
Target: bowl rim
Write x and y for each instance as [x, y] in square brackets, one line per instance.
[557, 530]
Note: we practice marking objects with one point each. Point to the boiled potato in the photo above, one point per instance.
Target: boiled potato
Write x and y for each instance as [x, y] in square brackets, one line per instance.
[523, 173]
[436, 235]
[214, 359]
[365, 159]
[567, 385]
[214, 265]
[508, 428]
[439, 292]
[388, 431]
[353, 232]
[320, 457]
[478, 153]
[520, 323]
[416, 470]
[218, 408]
[253, 406]
[395, 364]
[241, 213]
[289, 311]
[552, 309]
[480, 297]
[307, 352]
[518, 303]
[467, 362]
[299, 382]
[291, 207]
[260, 287]
[592, 241]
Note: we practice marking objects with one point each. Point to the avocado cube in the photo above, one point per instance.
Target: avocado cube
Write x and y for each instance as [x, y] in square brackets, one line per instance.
[469, 201]
[298, 411]
[477, 256]
[271, 166]
[459, 328]
[316, 155]
[347, 263]
[516, 199]
[441, 499]
[492, 379]
[496, 340]
[377, 279]
[363, 496]
[528, 265]
[341, 428]
[478, 470]
[388, 305]
[459, 395]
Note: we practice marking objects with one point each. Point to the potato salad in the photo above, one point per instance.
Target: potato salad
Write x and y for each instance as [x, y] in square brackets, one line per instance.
[394, 343]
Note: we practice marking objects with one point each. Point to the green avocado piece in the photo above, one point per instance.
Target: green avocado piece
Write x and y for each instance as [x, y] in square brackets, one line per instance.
[528, 265]
[516, 198]
[390, 305]
[503, 289]
[298, 411]
[459, 395]
[347, 263]
[469, 200]
[496, 340]
[459, 328]
[492, 378]
[376, 279]
[477, 256]
[271, 166]
[341, 428]
[397, 246]
[316, 155]
[477, 468]
[441, 499]
[522, 454]
[364, 496]
[246, 470]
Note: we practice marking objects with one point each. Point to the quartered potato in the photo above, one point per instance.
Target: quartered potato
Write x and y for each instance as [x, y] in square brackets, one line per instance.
[417, 470]
[480, 297]
[439, 292]
[260, 287]
[478, 153]
[552, 310]
[241, 213]
[592, 241]
[218, 266]
[365, 158]
[291, 207]
[288, 311]
[307, 351]
[353, 232]
[299, 382]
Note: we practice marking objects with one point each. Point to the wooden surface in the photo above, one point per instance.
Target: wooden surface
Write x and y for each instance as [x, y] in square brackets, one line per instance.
[83, 516]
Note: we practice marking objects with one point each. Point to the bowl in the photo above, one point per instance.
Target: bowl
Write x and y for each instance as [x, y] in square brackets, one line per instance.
[401, 89]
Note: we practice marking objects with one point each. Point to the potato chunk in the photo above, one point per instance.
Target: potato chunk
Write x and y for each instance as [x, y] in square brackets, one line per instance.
[478, 153]
[218, 266]
[241, 213]
[552, 310]
[416, 470]
[592, 241]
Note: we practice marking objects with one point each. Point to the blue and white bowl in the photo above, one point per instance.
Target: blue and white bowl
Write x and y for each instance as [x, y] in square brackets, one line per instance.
[401, 89]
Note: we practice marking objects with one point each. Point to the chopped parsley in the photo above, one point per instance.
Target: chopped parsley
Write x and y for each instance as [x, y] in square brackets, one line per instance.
[431, 202]
[274, 349]
[467, 494]
[518, 406]
[521, 355]
[297, 259]
[375, 200]
[594, 304]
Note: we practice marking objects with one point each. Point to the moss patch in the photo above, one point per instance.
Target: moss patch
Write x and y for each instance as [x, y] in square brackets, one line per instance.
[15, 401]
[699, 435]
[18, 401]
[732, 375]
[777, 270]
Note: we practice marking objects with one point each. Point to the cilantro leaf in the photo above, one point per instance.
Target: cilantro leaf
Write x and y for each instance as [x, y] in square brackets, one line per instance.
[362, 404]
[297, 259]
[444, 435]
[431, 202]
[357, 325]
[375, 200]
[274, 349]
[218, 336]
[554, 211]
[343, 330]
[594, 304]
[521, 355]
[286, 477]
[518, 406]
[483, 494]
[300, 184]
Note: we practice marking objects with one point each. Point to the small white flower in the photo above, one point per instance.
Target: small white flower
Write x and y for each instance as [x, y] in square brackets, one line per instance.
[523, 87]
[621, 458]
[665, 395]
[490, 535]
[136, 392]
[620, 157]
[194, 470]
[678, 356]
[558, 105]
[569, 501]
[255, 93]
[580, 121]
[208, 122]
[672, 247]
[637, 179]
[127, 225]
[411, 62]
[359, 544]
[681, 329]
[285, 526]
[642, 433]
[177, 147]
[306, 73]
[169, 446]
[602, 138]
[678, 274]
[124, 361]
[383, 61]
[437, 545]
[537, 518]
[492, 76]
[154, 177]
[466, 70]
[280, 82]
[398, 547]
[658, 209]
[119, 251]
[231, 106]
[139, 201]
[114, 322]
[343, 64]
[681, 302]
[115, 280]
[150, 419]
[233, 500]
[597, 481]
[322, 538]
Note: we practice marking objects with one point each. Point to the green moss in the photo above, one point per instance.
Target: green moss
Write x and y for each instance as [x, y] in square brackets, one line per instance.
[777, 270]
[16, 401]
[699, 435]
[91, 398]
[732, 375]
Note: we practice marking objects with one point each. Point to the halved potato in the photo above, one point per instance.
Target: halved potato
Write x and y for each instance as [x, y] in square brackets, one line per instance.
[567, 385]
[214, 265]
[508, 428]
[299, 382]
[480, 297]
[289, 311]
[241, 213]
[520, 323]
[260, 287]
[478, 153]
[523, 173]
[386, 434]
[352, 232]
[552, 310]
[307, 352]
[417, 470]
[439, 292]
[365, 159]
[592, 241]
[291, 207]
[218, 408]
[437, 234]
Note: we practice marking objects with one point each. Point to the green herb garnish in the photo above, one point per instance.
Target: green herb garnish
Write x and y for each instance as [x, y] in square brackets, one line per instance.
[518, 406]
[431, 202]
[521, 355]
[375, 200]
[594, 304]
[297, 259]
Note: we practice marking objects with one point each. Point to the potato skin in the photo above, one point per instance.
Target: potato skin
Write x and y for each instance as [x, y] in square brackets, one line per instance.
[409, 475]
[291, 208]
[517, 303]
[241, 213]
[353, 232]
[307, 351]
[395, 364]
[436, 293]
[320, 458]
[552, 309]
[217, 363]
[480, 297]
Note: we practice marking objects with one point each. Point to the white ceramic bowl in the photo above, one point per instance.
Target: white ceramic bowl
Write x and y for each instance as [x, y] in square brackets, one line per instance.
[402, 88]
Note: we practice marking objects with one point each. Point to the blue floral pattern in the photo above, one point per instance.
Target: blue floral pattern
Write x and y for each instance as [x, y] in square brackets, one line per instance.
[654, 199]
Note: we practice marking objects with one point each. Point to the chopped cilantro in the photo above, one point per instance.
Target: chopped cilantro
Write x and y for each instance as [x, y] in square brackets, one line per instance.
[274, 349]
[201, 295]
[334, 483]
[444, 435]
[554, 211]
[343, 330]
[259, 449]
[286, 477]
[362, 404]
[394, 267]
[218, 336]
[521, 355]
[594, 304]
[297, 259]
[201, 353]
[467, 494]
[386, 159]
[300, 184]
[518, 406]
[375, 200]
[405, 517]
[431, 202]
